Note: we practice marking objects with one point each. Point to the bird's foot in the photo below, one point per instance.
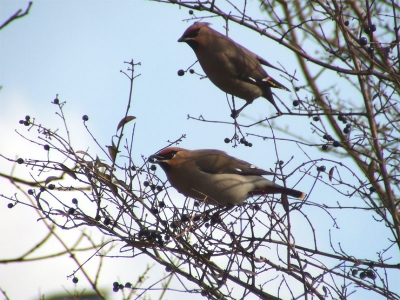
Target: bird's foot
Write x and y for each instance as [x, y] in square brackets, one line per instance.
[235, 113]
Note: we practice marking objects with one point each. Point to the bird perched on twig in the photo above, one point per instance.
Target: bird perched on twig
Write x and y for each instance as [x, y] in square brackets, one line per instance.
[230, 66]
[215, 177]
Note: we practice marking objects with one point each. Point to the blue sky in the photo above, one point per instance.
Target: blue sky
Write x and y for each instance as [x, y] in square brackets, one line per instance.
[76, 49]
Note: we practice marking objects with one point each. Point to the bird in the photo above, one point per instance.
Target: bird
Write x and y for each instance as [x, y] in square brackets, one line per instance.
[215, 177]
[230, 66]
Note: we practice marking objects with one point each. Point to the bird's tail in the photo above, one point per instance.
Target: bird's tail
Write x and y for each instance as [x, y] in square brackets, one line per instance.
[275, 84]
[272, 188]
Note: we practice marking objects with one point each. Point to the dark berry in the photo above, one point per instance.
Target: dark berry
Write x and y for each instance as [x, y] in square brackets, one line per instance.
[115, 289]
[196, 203]
[372, 189]
[161, 204]
[296, 103]
[257, 207]
[181, 72]
[346, 23]
[56, 101]
[197, 218]
[42, 189]
[27, 117]
[227, 140]
[115, 284]
[367, 30]
[153, 167]
[363, 275]
[20, 161]
[75, 280]
[10, 205]
[185, 218]
[85, 118]
[121, 286]
[71, 211]
[128, 285]
[51, 186]
[159, 188]
[46, 147]
[146, 183]
[97, 218]
[336, 144]
[191, 71]
[30, 192]
[74, 201]
[107, 221]
[242, 140]
[250, 145]
[168, 269]
[27, 123]
[190, 12]
[316, 119]
[354, 272]
[204, 293]
[324, 147]
[371, 274]
[370, 50]
[363, 41]
[373, 28]
[154, 211]
[346, 130]
[321, 169]
[153, 187]
[21, 121]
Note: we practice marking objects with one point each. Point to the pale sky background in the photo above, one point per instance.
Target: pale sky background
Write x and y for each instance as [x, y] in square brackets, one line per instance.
[76, 49]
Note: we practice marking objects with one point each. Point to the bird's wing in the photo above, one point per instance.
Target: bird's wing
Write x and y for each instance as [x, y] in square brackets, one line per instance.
[217, 162]
[244, 64]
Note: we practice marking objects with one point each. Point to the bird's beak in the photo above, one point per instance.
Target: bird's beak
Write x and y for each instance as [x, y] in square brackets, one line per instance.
[183, 39]
[154, 159]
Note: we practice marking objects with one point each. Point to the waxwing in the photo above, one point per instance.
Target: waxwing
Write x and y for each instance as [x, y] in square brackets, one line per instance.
[230, 66]
[215, 177]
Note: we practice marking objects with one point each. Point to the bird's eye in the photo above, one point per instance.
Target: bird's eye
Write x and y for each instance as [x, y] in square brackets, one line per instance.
[194, 33]
[170, 155]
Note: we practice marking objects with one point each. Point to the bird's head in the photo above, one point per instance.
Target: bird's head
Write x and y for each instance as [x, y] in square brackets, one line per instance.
[191, 35]
[165, 158]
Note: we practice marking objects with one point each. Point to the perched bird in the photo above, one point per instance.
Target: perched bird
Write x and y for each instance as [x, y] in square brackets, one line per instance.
[230, 66]
[215, 177]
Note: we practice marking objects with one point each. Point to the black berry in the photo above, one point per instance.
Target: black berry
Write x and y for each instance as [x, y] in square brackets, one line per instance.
[363, 41]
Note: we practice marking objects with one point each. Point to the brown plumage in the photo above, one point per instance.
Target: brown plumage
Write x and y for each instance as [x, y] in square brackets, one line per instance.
[230, 66]
[215, 177]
